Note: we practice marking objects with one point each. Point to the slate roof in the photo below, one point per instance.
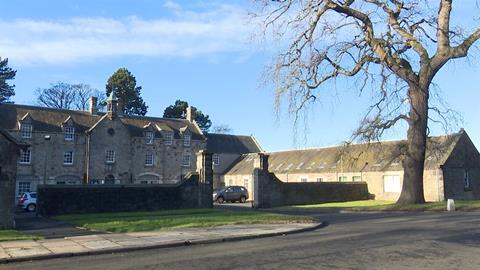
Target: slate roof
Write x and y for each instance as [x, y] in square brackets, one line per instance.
[381, 156]
[231, 144]
[51, 120]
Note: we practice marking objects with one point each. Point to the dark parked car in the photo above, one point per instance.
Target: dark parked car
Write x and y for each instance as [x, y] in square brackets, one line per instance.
[231, 194]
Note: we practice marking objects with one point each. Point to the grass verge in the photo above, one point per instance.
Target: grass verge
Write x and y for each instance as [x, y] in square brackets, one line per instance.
[12, 235]
[371, 205]
[173, 219]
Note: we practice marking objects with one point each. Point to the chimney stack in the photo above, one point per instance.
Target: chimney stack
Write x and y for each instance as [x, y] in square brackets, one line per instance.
[93, 105]
[189, 115]
[120, 107]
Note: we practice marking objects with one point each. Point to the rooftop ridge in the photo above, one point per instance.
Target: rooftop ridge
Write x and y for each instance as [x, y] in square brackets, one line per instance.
[40, 108]
[353, 144]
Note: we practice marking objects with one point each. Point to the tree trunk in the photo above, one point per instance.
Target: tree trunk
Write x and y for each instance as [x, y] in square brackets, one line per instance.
[413, 163]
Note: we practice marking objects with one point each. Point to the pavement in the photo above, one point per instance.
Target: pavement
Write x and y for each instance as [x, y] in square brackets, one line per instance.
[27, 250]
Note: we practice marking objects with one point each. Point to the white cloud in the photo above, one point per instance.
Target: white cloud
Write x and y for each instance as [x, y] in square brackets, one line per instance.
[188, 33]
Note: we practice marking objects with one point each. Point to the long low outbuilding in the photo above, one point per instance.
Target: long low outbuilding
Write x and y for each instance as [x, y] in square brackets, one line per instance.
[452, 167]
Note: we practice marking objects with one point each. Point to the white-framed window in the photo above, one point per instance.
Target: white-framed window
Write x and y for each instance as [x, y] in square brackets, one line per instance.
[186, 161]
[69, 133]
[246, 183]
[26, 130]
[25, 156]
[149, 159]
[187, 138]
[23, 187]
[466, 178]
[149, 136]
[303, 180]
[68, 158]
[110, 156]
[356, 178]
[342, 179]
[391, 183]
[319, 179]
[168, 138]
[216, 159]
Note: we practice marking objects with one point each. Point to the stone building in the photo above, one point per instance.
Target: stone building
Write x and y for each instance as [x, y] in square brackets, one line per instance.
[75, 147]
[9, 150]
[452, 167]
[226, 150]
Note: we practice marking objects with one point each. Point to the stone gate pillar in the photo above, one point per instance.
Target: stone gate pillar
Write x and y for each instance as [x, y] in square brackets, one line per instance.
[260, 178]
[205, 179]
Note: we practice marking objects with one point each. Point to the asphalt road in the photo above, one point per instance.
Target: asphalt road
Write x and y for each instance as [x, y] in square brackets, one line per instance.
[351, 241]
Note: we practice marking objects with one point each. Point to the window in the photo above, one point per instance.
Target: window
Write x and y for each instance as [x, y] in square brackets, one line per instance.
[467, 178]
[23, 187]
[186, 139]
[169, 139]
[303, 180]
[391, 183]
[25, 156]
[246, 183]
[186, 160]
[357, 179]
[26, 130]
[68, 158]
[149, 159]
[319, 180]
[342, 179]
[69, 133]
[110, 156]
[216, 160]
[149, 137]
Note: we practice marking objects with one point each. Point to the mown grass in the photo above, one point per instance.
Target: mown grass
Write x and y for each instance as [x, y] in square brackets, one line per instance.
[12, 235]
[172, 219]
[371, 205]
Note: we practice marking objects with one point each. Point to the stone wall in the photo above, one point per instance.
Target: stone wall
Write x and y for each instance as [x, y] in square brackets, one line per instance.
[193, 192]
[269, 191]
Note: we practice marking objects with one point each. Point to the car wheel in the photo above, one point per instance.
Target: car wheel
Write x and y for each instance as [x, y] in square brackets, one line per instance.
[220, 200]
[243, 199]
[31, 207]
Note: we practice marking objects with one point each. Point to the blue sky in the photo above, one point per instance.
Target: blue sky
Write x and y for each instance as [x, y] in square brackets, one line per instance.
[198, 51]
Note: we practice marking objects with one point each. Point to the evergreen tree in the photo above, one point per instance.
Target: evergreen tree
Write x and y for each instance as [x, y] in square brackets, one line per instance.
[6, 73]
[179, 110]
[124, 85]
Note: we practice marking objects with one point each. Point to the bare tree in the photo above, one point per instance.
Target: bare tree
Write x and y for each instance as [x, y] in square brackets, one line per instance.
[67, 96]
[221, 129]
[83, 92]
[396, 46]
[59, 95]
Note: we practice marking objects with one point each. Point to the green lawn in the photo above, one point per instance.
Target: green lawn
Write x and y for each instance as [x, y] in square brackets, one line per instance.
[11, 235]
[172, 219]
[371, 205]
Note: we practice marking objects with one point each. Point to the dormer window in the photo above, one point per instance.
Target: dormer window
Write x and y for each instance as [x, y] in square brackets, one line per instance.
[187, 139]
[168, 139]
[69, 133]
[149, 136]
[26, 130]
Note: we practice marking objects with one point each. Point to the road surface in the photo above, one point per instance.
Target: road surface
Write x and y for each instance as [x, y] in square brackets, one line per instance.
[350, 241]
